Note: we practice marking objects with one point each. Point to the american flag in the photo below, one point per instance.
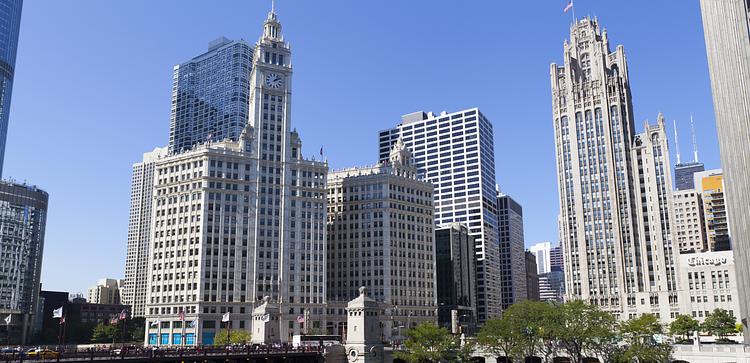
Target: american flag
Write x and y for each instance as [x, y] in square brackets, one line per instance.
[568, 7]
[62, 320]
[182, 315]
[300, 318]
[123, 314]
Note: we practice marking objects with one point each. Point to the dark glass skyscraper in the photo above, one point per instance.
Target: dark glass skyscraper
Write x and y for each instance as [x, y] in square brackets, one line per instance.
[683, 174]
[210, 95]
[10, 21]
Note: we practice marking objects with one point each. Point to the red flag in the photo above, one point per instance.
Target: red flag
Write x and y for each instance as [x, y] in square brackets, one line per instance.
[568, 7]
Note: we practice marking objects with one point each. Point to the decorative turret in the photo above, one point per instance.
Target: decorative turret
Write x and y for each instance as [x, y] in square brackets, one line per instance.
[400, 155]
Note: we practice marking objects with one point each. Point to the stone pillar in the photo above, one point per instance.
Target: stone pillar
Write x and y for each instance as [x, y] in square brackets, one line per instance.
[266, 323]
[363, 342]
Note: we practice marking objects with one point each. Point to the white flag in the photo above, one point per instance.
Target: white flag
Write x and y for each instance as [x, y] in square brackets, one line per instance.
[155, 323]
[225, 317]
[57, 313]
[8, 319]
[193, 323]
[266, 318]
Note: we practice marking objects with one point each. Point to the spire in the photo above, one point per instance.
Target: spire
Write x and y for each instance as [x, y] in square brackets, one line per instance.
[676, 141]
[695, 143]
[272, 27]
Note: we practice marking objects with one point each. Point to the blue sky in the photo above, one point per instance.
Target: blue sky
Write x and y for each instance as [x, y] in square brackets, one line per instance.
[93, 84]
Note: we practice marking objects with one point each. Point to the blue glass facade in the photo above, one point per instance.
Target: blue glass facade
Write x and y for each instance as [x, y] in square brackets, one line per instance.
[210, 95]
[10, 21]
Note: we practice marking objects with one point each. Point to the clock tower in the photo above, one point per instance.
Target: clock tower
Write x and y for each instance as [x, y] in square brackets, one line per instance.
[287, 233]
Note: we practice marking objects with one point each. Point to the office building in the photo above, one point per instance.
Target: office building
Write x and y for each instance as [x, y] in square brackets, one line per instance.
[86, 312]
[725, 26]
[708, 281]
[456, 277]
[106, 291]
[512, 254]
[381, 236]
[614, 186]
[235, 221]
[683, 173]
[135, 286]
[10, 23]
[455, 152]
[542, 253]
[556, 259]
[552, 286]
[689, 225]
[24, 216]
[210, 95]
[655, 220]
[532, 276]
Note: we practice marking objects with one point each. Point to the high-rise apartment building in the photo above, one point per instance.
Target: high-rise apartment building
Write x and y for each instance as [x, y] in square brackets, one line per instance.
[23, 211]
[542, 253]
[106, 291]
[456, 277]
[210, 95]
[689, 227]
[614, 186]
[135, 285]
[381, 236]
[513, 279]
[10, 23]
[455, 152]
[725, 26]
[710, 184]
[235, 221]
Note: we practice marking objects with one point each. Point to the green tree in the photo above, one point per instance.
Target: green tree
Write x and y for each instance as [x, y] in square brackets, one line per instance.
[528, 321]
[428, 343]
[719, 323]
[104, 333]
[552, 322]
[638, 334]
[240, 337]
[684, 325]
[498, 337]
[235, 337]
[586, 330]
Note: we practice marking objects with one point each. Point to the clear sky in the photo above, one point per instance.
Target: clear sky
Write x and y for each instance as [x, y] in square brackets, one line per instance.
[93, 87]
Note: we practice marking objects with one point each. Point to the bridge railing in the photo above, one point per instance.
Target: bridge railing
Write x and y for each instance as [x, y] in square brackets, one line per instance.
[155, 353]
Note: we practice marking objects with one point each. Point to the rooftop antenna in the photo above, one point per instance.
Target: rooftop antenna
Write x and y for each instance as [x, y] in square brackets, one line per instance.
[676, 141]
[695, 143]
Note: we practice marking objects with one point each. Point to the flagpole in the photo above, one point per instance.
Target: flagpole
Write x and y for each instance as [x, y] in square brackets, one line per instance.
[59, 333]
[64, 328]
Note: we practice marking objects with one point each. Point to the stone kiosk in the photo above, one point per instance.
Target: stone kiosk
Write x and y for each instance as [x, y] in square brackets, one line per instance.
[363, 330]
[266, 323]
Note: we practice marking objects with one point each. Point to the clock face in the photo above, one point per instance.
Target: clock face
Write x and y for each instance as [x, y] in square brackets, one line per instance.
[274, 80]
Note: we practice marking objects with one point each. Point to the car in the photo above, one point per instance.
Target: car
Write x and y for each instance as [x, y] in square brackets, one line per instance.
[7, 350]
[42, 354]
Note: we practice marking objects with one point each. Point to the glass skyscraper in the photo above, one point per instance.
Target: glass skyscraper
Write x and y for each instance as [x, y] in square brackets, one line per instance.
[455, 152]
[23, 216]
[210, 95]
[10, 21]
